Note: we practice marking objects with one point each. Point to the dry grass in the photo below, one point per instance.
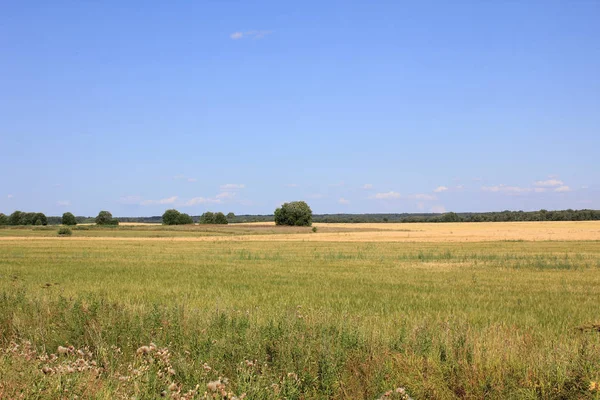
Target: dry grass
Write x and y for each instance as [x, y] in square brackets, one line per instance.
[419, 232]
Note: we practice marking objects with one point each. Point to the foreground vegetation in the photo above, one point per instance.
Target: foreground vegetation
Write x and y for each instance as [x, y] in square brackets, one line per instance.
[98, 319]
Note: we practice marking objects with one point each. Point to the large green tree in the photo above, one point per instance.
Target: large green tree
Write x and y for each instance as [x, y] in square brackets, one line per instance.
[184, 219]
[3, 219]
[295, 213]
[68, 219]
[220, 218]
[207, 218]
[171, 217]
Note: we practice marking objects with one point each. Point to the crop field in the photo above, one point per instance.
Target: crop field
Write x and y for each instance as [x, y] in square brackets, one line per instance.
[393, 311]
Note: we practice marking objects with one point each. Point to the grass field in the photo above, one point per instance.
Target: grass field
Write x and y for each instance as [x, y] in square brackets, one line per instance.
[438, 311]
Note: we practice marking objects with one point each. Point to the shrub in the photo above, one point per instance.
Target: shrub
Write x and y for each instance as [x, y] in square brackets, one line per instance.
[106, 218]
[314, 229]
[296, 213]
[68, 219]
[3, 219]
[64, 231]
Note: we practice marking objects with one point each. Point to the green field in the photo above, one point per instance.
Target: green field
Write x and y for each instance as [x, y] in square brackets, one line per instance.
[298, 320]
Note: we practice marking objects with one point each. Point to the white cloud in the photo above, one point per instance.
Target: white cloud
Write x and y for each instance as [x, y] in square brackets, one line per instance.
[585, 187]
[201, 200]
[460, 187]
[438, 209]
[420, 206]
[505, 189]
[192, 180]
[315, 196]
[440, 189]
[292, 185]
[549, 183]
[539, 190]
[254, 34]
[168, 200]
[63, 203]
[232, 186]
[367, 186]
[387, 195]
[179, 177]
[563, 188]
[225, 195]
[343, 201]
[10, 196]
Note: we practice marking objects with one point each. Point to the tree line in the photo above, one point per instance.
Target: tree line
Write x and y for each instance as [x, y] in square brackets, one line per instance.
[30, 218]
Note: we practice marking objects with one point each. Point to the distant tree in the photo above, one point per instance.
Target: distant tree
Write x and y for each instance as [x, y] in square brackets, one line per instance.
[15, 218]
[40, 219]
[27, 218]
[171, 217]
[68, 219]
[184, 219]
[230, 216]
[3, 219]
[296, 213]
[450, 217]
[207, 218]
[220, 218]
[106, 218]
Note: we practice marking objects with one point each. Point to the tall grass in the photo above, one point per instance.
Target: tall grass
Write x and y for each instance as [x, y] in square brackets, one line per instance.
[298, 320]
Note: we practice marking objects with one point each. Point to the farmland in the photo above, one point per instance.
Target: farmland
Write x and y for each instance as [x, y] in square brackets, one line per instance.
[488, 310]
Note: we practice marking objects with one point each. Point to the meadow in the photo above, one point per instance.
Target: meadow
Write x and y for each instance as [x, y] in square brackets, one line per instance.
[398, 311]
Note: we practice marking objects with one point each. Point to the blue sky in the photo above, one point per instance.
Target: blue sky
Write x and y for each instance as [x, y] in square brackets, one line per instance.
[136, 107]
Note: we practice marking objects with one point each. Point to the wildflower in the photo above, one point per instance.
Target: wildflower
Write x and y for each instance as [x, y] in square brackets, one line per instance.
[143, 350]
[171, 371]
[47, 370]
[213, 385]
[62, 350]
[594, 386]
[173, 387]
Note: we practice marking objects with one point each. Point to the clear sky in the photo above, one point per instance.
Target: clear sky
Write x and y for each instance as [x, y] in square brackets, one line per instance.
[372, 106]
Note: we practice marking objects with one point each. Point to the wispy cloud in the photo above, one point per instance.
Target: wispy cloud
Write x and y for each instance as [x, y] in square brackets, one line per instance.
[387, 195]
[201, 200]
[63, 203]
[438, 209]
[192, 180]
[563, 188]
[367, 186]
[225, 195]
[181, 177]
[168, 200]
[422, 196]
[315, 196]
[232, 186]
[291, 185]
[343, 201]
[10, 196]
[505, 189]
[549, 183]
[440, 189]
[339, 184]
[252, 34]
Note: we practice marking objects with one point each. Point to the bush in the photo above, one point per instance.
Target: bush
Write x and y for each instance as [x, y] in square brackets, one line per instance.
[296, 213]
[314, 229]
[3, 219]
[220, 218]
[64, 231]
[106, 218]
[184, 219]
[68, 219]
[171, 217]
[207, 218]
